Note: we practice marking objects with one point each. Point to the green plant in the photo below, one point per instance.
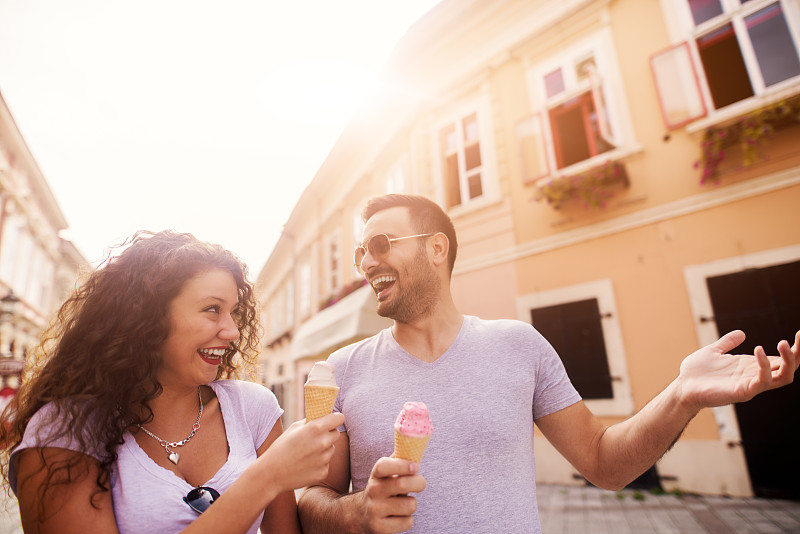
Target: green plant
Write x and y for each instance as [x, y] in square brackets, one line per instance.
[749, 132]
[677, 492]
[592, 186]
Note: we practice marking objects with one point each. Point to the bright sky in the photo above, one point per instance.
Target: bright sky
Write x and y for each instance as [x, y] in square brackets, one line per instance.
[202, 116]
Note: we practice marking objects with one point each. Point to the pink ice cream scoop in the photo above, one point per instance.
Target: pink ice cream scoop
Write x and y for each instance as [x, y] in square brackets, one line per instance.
[413, 420]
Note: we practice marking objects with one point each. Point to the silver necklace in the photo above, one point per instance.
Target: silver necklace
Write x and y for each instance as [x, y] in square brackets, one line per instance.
[168, 445]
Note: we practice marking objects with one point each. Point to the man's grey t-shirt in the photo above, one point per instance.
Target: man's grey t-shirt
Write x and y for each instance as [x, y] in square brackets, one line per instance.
[483, 394]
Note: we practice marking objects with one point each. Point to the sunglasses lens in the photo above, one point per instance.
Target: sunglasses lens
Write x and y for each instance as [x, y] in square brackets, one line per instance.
[360, 253]
[199, 499]
[379, 246]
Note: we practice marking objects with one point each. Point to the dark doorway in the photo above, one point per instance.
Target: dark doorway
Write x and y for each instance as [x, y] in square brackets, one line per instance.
[765, 304]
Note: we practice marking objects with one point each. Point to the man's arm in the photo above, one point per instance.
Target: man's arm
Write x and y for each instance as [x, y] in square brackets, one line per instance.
[384, 506]
[612, 457]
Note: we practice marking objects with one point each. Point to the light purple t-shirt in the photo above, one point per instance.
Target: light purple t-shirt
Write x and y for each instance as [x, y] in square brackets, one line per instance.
[149, 498]
[483, 394]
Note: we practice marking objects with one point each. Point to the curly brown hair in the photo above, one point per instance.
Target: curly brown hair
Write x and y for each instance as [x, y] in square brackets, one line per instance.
[97, 362]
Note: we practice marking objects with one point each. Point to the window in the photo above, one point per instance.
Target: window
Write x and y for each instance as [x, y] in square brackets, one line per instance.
[396, 180]
[46, 283]
[305, 290]
[334, 262]
[281, 310]
[24, 256]
[358, 230]
[289, 308]
[581, 323]
[276, 315]
[576, 131]
[12, 231]
[575, 117]
[576, 111]
[462, 162]
[744, 46]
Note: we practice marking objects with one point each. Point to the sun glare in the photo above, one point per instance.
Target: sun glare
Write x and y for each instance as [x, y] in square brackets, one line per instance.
[321, 92]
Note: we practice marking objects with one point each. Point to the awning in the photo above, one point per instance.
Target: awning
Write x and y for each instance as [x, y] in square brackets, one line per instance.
[351, 319]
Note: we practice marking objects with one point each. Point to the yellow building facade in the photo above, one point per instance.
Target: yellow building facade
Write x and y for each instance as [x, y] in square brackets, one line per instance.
[624, 174]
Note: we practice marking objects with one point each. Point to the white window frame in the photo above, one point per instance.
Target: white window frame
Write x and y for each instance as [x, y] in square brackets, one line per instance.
[622, 402]
[489, 187]
[682, 29]
[599, 45]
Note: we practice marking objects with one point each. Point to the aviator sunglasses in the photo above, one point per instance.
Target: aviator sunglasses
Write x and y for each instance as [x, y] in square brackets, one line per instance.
[200, 498]
[379, 246]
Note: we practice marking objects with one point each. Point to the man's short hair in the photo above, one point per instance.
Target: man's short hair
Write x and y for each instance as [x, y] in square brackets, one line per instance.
[426, 217]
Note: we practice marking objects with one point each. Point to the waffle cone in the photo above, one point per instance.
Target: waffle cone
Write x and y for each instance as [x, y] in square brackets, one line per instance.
[319, 400]
[409, 447]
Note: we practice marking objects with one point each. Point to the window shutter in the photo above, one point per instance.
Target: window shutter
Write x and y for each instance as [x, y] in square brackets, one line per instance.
[575, 331]
[678, 87]
[599, 105]
[533, 155]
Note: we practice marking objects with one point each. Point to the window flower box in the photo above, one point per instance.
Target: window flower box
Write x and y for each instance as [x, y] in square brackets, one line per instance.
[592, 187]
[748, 133]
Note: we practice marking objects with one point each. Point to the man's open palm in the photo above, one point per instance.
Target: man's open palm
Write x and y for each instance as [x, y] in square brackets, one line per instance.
[713, 377]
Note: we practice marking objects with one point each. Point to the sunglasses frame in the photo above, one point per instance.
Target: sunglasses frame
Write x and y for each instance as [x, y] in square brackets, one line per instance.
[202, 490]
[361, 249]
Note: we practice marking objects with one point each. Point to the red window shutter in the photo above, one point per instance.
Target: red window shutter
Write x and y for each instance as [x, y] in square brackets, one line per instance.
[678, 87]
[532, 148]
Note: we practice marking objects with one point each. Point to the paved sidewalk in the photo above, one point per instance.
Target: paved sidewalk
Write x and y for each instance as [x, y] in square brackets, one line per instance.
[9, 515]
[579, 510]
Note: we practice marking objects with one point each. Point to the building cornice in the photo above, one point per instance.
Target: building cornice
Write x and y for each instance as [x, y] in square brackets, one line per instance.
[686, 206]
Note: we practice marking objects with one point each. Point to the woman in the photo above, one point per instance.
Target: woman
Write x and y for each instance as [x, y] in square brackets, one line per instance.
[130, 420]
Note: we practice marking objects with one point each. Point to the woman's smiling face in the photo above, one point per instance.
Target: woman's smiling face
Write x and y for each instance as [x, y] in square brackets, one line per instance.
[202, 327]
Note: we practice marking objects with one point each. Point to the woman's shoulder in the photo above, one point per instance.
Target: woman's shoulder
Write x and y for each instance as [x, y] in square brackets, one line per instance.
[251, 404]
[242, 389]
[53, 424]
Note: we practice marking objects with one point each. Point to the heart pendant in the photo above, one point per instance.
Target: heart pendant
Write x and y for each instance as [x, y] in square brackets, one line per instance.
[174, 457]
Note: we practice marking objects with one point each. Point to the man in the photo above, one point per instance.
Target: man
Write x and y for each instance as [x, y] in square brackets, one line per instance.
[485, 383]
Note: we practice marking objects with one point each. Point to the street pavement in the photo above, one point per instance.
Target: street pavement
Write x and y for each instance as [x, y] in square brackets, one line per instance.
[589, 510]
[578, 510]
[9, 514]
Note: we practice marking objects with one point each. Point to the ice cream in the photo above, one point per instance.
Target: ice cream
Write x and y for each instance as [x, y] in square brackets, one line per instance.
[320, 391]
[412, 431]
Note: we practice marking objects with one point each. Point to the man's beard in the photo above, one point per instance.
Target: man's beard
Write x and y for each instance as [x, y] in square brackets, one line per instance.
[419, 295]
